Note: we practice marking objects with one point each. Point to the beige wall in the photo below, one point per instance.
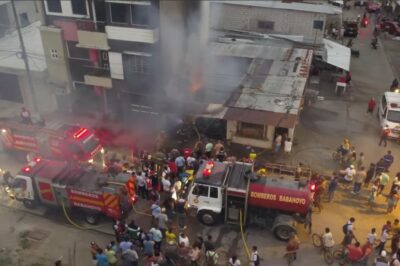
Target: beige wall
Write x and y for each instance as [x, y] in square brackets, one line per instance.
[231, 130]
[58, 69]
[235, 17]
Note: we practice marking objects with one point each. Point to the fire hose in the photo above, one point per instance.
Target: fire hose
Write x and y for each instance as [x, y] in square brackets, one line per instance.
[242, 235]
[75, 224]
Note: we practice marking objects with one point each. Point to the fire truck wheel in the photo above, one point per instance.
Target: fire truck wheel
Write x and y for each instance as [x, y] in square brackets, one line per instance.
[282, 232]
[207, 217]
[29, 204]
[92, 218]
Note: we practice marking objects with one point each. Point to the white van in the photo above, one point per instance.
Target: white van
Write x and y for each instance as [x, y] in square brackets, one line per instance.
[389, 113]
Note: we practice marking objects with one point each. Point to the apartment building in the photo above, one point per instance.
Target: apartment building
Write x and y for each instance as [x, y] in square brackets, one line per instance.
[101, 54]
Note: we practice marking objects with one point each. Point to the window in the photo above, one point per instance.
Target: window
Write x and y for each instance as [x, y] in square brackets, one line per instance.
[248, 130]
[100, 11]
[214, 192]
[24, 20]
[201, 190]
[54, 6]
[393, 116]
[140, 15]
[265, 24]
[79, 7]
[384, 103]
[136, 64]
[119, 13]
[77, 52]
[54, 54]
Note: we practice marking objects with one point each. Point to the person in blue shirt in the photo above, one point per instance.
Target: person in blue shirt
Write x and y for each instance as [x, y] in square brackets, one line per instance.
[388, 159]
[101, 258]
[148, 246]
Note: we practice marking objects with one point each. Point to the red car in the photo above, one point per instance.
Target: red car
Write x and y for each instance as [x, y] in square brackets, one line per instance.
[372, 6]
[392, 27]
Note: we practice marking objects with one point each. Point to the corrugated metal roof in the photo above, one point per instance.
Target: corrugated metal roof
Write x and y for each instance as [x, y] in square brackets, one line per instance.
[261, 117]
[313, 8]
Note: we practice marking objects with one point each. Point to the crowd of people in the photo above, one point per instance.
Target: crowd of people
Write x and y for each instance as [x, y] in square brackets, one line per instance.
[162, 184]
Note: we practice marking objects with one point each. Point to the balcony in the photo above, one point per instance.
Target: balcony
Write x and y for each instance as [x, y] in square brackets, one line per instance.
[129, 34]
[98, 77]
[92, 40]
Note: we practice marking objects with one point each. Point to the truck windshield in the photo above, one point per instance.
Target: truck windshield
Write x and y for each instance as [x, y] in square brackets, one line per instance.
[90, 144]
[393, 116]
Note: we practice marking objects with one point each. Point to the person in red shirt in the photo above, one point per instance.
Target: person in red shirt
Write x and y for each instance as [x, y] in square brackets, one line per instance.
[371, 106]
[355, 252]
[384, 135]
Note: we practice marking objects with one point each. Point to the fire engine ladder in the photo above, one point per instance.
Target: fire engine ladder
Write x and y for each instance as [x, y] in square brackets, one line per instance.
[236, 194]
[287, 170]
[30, 128]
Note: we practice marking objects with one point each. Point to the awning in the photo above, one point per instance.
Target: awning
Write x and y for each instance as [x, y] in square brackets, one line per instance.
[212, 110]
[261, 117]
[336, 54]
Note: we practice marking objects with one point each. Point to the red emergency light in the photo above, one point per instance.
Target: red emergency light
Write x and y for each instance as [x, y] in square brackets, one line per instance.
[312, 187]
[38, 160]
[78, 134]
[208, 169]
[26, 169]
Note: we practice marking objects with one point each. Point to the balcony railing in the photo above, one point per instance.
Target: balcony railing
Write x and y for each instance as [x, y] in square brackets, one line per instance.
[98, 77]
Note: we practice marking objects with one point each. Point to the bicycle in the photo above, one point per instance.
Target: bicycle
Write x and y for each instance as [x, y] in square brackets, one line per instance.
[327, 252]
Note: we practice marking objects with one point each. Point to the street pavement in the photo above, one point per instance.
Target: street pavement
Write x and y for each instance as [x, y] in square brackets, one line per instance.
[322, 128]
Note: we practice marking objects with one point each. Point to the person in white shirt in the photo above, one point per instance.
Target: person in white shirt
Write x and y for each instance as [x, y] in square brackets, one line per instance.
[234, 261]
[349, 173]
[288, 146]
[254, 259]
[166, 183]
[383, 239]
[183, 238]
[372, 236]
[327, 238]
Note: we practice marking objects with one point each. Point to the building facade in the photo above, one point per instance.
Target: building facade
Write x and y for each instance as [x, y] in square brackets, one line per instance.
[27, 13]
[272, 17]
[109, 56]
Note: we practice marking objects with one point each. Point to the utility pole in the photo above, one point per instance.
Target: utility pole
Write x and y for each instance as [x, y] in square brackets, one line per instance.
[24, 56]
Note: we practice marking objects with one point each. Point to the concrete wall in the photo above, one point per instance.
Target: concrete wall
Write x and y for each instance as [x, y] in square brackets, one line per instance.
[235, 17]
[58, 68]
[43, 91]
[231, 131]
[31, 8]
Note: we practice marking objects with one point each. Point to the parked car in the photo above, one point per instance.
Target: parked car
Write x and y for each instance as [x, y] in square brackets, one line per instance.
[372, 6]
[338, 3]
[350, 28]
[392, 27]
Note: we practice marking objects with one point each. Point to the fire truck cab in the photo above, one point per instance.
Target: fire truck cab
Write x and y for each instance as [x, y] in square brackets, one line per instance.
[232, 192]
[62, 184]
[69, 142]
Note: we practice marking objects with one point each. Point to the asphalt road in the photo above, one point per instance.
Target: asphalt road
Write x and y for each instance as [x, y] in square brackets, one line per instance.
[322, 127]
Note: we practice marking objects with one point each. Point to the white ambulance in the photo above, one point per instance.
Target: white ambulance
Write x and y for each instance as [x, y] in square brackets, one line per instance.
[389, 113]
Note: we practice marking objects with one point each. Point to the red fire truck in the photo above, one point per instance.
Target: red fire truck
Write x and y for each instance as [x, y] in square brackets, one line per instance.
[60, 183]
[58, 140]
[226, 190]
